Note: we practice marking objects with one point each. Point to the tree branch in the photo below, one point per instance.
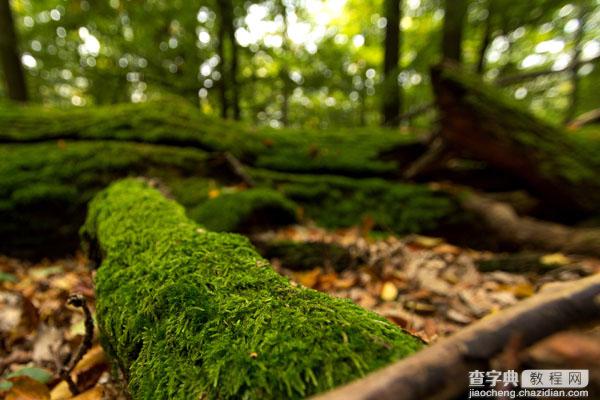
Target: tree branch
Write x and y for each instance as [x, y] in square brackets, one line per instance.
[441, 370]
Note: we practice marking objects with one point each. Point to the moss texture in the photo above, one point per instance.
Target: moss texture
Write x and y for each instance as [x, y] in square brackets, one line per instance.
[334, 201]
[245, 210]
[176, 122]
[191, 314]
[44, 188]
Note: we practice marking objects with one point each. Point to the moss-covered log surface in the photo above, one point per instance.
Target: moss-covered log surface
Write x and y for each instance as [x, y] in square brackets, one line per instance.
[45, 187]
[477, 119]
[193, 314]
[174, 122]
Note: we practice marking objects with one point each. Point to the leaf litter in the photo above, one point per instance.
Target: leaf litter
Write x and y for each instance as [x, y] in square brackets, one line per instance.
[427, 286]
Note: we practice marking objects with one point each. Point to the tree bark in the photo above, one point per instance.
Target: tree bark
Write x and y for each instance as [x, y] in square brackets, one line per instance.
[573, 67]
[440, 371]
[477, 120]
[487, 38]
[392, 101]
[526, 232]
[452, 31]
[221, 51]
[14, 77]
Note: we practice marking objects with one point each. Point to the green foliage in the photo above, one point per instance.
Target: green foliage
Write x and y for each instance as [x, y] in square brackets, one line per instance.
[194, 314]
[245, 210]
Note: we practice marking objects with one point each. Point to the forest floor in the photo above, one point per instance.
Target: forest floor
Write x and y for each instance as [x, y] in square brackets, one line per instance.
[423, 284]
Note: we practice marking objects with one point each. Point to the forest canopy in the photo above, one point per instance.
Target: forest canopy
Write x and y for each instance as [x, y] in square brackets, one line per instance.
[306, 63]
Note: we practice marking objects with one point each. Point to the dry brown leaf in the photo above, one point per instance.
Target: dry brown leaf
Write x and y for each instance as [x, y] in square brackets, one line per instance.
[95, 393]
[308, 279]
[26, 388]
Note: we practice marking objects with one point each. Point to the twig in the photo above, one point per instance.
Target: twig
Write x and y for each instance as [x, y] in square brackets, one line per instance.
[79, 301]
[238, 169]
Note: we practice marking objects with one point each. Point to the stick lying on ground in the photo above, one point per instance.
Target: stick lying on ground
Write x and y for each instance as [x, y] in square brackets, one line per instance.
[441, 371]
[191, 314]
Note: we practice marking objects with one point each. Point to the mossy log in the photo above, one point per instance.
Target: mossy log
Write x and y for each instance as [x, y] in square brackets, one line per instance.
[479, 120]
[45, 188]
[191, 314]
[174, 122]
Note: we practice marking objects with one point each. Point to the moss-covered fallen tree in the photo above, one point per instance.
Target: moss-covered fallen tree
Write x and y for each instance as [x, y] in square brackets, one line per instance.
[174, 122]
[479, 120]
[191, 314]
[44, 189]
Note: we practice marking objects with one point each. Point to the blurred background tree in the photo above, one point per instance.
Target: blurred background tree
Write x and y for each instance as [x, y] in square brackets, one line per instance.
[300, 62]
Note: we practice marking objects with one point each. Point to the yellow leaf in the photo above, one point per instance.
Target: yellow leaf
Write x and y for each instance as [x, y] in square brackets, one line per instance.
[214, 193]
[389, 292]
[555, 259]
[427, 241]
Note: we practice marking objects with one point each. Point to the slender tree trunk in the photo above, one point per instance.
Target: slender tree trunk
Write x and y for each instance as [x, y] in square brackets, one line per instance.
[233, 70]
[9, 55]
[452, 33]
[392, 102]
[222, 35]
[574, 66]
[487, 38]
[284, 73]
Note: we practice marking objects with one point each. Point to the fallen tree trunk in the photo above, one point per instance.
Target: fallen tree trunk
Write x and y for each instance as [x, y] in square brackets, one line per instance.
[441, 371]
[174, 122]
[45, 187]
[476, 119]
[525, 232]
[192, 314]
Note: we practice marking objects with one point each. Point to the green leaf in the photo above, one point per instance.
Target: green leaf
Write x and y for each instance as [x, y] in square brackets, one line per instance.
[39, 374]
[6, 277]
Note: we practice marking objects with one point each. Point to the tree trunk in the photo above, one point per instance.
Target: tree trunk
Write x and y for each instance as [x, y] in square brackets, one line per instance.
[487, 38]
[573, 68]
[12, 68]
[452, 32]
[392, 102]
[233, 71]
[223, 62]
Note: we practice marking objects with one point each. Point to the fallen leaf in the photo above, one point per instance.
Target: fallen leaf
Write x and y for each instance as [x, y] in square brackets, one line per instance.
[308, 279]
[26, 388]
[213, 193]
[555, 259]
[427, 241]
[95, 393]
[389, 292]
[39, 374]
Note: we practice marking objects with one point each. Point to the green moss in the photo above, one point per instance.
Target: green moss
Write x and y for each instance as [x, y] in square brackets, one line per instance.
[244, 210]
[334, 201]
[190, 314]
[176, 122]
[44, 187]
